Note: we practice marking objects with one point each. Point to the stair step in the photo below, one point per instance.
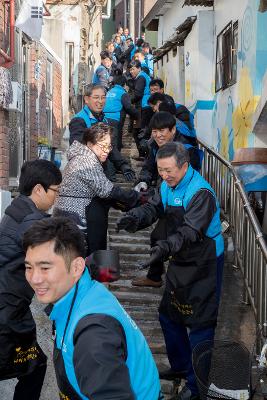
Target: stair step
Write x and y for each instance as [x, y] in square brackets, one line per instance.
[129, 238]
[126, 286]
[138, 298]
[134, 248]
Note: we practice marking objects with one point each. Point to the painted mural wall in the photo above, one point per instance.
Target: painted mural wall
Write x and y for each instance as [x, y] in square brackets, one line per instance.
[226, 119]
[236, 107]
[171, 70]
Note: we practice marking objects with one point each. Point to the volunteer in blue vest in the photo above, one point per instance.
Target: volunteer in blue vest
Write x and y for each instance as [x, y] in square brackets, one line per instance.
[118, 49]
[146, 49]
[92, 113]
[139, 98]
[182, 112]
[163, 102]
[129, 49]
[194, 246]
[99, 352]
[163, 130]
[110, 49]
[102, 75]
[139, 56]
[118, 104]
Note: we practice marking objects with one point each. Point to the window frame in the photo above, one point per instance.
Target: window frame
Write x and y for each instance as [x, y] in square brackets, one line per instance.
[226, 66]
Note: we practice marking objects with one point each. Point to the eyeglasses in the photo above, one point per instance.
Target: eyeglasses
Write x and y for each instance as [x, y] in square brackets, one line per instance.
[105, 147]
[54, 190]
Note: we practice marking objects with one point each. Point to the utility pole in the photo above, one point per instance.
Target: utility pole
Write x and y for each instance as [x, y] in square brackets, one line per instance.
[132, 20]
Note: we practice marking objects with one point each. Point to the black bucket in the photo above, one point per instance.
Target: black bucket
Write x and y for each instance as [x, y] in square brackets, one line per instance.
[104, 265]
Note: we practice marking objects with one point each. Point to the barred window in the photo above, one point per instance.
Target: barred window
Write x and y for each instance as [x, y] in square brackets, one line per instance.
[226, 57]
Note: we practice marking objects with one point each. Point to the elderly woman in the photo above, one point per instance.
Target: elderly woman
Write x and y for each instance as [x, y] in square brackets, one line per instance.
[86, 194]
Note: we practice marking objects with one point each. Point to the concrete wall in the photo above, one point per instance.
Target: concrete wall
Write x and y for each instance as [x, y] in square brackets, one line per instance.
[172, 18]
[171, 70]
[64, 24]
[199, 73]
[227, 119]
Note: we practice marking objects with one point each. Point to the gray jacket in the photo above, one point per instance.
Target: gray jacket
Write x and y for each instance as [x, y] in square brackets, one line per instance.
[83, 179]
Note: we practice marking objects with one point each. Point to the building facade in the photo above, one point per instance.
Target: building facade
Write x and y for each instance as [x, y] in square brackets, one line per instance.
[212, 56]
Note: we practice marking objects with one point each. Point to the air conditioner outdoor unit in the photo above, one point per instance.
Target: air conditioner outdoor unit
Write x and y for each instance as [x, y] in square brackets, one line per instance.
[16, 104]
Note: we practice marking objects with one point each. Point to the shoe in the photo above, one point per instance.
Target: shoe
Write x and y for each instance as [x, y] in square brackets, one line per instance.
[146, 282]
[185, 394]
[171, 375]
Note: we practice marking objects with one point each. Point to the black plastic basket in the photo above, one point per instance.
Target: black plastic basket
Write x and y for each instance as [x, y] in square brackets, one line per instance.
[224, 365]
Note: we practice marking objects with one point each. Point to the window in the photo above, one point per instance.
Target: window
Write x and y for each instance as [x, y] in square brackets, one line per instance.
[226, 57]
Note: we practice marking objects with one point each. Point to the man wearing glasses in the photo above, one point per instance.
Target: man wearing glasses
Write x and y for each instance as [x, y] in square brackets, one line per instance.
[20, 354]
[91, 114]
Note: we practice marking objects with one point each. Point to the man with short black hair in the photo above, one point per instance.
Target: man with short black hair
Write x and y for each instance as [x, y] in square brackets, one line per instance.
[163, 130]
[99, 352]
[194, 246]
[20, 354]
[102, 73]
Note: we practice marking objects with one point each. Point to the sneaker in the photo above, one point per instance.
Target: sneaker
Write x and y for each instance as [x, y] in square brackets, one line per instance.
[185, 394]
[171, 375]
[146, 282]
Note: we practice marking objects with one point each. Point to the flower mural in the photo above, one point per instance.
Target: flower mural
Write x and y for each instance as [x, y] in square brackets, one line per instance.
[243, 113]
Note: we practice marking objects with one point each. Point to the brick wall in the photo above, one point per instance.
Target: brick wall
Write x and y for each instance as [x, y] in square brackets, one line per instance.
[4, 150]
[39, 99]
[57, 104]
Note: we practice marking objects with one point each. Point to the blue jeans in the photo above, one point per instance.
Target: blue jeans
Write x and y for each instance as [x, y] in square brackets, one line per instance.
[180, 340]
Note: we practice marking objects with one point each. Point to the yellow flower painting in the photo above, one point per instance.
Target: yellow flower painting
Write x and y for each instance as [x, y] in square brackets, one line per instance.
[243, 113]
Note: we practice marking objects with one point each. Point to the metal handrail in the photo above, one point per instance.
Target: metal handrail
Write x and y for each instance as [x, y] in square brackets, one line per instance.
[250, 249]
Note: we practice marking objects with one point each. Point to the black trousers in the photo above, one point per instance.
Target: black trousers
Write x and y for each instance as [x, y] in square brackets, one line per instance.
[97, 224]
[146, 115]
[157, 268]
[20, 355]
[29, 386]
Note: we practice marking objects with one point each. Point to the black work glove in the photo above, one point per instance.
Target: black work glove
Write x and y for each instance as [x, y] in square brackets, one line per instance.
[128, 173]
[143, 146]
[127, 222]
[160, 252]
[141, 135]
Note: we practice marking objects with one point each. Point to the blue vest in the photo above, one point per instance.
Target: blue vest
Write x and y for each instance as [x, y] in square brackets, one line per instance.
[181, 195]
[94, 298]
[113, 104]
[135, 48]
[96, 79]
[146, 94]
[88, 117]
[149, 63]
[183, 128]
